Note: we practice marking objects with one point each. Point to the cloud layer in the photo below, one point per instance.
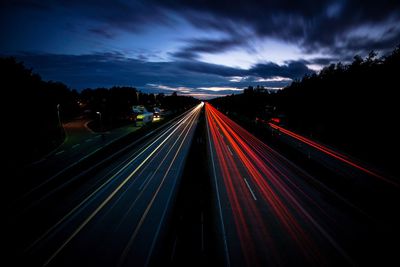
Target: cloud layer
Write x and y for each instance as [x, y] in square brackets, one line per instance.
[191, 45]
[313, 25]
[186, 77]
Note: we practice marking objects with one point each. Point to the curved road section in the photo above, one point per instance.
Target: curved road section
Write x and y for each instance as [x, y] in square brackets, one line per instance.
[120, 221]
[273, 213]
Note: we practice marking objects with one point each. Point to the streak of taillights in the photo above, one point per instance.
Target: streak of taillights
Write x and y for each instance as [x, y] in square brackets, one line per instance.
[268, 176]
[330, 152]
[239, 206]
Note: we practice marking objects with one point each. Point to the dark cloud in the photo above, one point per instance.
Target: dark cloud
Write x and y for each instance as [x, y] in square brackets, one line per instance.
[324, 61]
[185, 55]
[33, 4]
[102, 32]
[125, 15]
[293, 69]
[314, 25]
[325, 26]
[110, 69]
[196, 46]
[208, 68]
[338, 29]
[363, 45]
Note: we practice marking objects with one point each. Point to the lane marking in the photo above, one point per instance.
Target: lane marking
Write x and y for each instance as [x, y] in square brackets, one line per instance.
[89, 198]
[76, 145]
[190, 128]
[169, 126]
[116, 190]
[88, 140]
[173, 249]
[39, 161]
[230, 151]
[145, 180]
[191, 118]
[251, 191]
[59, 152]
[228, 263]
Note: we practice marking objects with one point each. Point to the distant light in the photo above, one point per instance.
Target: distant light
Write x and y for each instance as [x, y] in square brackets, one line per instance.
[275, 120]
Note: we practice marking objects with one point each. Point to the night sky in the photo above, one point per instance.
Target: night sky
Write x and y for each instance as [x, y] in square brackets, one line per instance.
[200, 47]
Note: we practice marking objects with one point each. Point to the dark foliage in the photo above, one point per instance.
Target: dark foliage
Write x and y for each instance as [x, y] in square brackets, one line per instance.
[254, 102]
[34, 109]
[176, 103]
[30, 110]
[353, 107]
[115, 104]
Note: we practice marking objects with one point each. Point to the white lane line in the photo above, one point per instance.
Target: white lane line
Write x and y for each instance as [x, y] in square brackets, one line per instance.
[76, 145]
[117, 189]
[145, 180]
[189, 127]
[174, 248]
[59, 152]
[230, 151]
[88, 140]
[87, 199]
[39, 161]
[251, 191]
[191, 117]
[228, 263]
[97, 136]
[220, 132]
[172, 123]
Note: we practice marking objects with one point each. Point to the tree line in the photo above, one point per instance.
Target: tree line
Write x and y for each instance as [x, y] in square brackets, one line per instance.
[34, 109]
[351, 106]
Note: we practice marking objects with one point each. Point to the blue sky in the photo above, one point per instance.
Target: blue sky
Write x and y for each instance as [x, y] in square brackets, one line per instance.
[200, 48]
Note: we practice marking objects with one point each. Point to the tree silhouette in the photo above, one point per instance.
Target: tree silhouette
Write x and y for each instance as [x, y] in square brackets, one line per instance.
[353, 107]
[31, 107]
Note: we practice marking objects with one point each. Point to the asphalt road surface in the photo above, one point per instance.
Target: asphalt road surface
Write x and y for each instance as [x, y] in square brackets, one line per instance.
[80, 142]
[273, 213]
[116, 217]
[268, 210]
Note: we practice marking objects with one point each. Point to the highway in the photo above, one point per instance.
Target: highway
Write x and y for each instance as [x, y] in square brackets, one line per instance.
[114, 218]
[327, 156]
[273, 213]
[80, 142]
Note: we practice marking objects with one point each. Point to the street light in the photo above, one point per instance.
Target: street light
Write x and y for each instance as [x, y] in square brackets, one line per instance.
[137, 97]
[101, 121]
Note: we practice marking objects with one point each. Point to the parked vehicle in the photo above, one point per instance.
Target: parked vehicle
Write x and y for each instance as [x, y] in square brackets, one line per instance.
[143, 116]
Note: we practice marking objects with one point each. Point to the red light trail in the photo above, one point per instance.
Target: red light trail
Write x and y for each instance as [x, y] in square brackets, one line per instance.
[330, 152]
[257, 182]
